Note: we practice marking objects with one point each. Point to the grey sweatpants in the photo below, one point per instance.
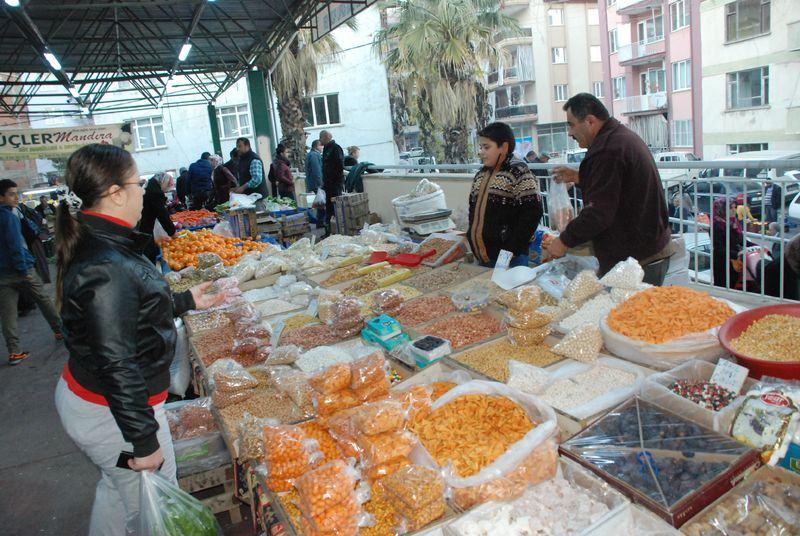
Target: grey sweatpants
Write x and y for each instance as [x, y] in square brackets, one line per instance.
[95, 432]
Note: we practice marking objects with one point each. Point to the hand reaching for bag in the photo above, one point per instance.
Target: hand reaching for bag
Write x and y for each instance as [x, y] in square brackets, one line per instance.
[203, 300]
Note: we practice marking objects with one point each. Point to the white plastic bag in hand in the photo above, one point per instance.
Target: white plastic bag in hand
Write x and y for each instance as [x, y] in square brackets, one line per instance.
[560, 206]
[319, 199]
[167, 510]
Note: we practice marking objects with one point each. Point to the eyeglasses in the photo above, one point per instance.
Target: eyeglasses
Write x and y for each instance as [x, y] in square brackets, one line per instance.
[137, 183]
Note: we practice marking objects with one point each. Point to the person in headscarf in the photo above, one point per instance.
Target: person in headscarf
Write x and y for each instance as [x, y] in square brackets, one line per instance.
[727, 243]
[154, 207]
[224, 180]
[681, 209]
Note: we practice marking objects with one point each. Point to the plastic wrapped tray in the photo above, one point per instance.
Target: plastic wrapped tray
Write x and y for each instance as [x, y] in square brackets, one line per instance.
[572, 473]
[661, 460]
[656, 389]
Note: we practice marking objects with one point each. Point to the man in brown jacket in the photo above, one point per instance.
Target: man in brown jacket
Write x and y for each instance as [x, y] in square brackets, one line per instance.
[625, 211]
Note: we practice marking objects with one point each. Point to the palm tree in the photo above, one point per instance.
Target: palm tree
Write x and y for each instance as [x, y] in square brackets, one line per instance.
[294, 78]
[443, 45]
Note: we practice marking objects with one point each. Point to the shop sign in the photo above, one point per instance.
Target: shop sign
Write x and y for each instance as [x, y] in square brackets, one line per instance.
[27, 144]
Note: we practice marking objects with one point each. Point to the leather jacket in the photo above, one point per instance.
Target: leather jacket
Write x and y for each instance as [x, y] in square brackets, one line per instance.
[118, 313]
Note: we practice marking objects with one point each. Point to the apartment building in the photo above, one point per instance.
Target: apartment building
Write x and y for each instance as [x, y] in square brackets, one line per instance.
[750, 75]
[651, 53]
[558, 55]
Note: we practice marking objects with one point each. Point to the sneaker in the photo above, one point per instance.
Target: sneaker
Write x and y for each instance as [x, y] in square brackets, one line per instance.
[15, 359]
[59, 336]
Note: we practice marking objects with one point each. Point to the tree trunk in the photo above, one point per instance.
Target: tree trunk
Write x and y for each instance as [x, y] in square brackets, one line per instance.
[290, 111]
[427, 128]
[456, 144]
[399, 112]
[483, 110]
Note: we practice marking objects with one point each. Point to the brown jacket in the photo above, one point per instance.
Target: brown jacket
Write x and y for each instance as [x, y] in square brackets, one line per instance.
[624, 212]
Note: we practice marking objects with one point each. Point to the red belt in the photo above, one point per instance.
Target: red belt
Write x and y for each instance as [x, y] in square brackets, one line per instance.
[96, 398]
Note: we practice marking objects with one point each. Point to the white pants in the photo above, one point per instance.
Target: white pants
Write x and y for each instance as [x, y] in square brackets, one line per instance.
[95, 432]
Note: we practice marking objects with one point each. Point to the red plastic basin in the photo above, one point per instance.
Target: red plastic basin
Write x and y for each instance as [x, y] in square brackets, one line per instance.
[759, 367]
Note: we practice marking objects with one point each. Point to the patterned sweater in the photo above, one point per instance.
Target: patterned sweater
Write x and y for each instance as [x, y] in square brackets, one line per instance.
[504, 210]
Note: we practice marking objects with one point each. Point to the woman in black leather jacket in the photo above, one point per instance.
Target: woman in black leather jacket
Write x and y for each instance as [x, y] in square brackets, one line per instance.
[118, 326]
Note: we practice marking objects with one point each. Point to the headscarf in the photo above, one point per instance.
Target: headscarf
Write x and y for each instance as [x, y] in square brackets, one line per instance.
[164, 180]
[216, 160]
[792, 254]
[721, 205]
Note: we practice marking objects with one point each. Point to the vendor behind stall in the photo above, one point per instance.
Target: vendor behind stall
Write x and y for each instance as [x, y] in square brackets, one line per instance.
[625, 211]
[504, 205]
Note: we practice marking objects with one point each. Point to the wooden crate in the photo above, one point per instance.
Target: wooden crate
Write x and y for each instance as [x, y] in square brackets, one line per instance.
[215, 488]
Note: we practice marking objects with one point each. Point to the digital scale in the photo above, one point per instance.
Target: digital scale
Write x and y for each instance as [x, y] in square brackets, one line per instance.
[428, 222]
[429, 349]
[384, 331]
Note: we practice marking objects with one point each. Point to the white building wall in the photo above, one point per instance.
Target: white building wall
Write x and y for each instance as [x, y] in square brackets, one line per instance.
[775, 124]
[359, 78]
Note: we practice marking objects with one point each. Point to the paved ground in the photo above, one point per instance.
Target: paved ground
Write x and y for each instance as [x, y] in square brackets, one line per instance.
[47, 484]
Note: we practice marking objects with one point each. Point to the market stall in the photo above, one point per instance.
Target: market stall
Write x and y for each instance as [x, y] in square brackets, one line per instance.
[359, 389]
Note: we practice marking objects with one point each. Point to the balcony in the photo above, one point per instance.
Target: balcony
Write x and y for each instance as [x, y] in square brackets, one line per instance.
[641, 53]
[638, 104]
[520, 111]
[636, 7]
[511, 7]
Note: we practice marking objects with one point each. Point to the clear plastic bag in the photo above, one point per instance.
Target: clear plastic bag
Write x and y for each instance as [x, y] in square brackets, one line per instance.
[582, 287]
[416, 402]
[331, 380]
[167, 510]
[327, 405]
[212, 273]
[288, 453]
[368, 370]
[560, 206]
[374, 391]
[251, 437]
[417, 494]
[387, 302]
[294, 384]
[766, 503]
[581, 344]
[283, 355]
[191, 419]
[530, 460]
[522, 299]
[172, 278]
[383, 448]
[379, 417]
[561, 311]
[207, 260]
[260, 330]
[325, 487]
[626, 274]
[268, 267]
[386, 469]
[227, 375]
[527, 320]
[528, 337]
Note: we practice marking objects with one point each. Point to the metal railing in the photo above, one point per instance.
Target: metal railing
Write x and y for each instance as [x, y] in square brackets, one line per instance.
[642, 103]
[640, 50]
[734, 255]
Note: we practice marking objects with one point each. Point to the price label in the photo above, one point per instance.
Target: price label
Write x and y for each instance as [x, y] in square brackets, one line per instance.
[503, 260]
[729, 375]
[312, 308]
[277, 330]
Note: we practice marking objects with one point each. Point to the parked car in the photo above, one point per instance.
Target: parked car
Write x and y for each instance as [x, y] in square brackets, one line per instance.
[674, 177]
[698, 247]
[793, 207]
[755, 190]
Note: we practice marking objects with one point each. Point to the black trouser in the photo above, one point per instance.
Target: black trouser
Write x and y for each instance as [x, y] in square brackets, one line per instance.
[331, 191]
[199, 200]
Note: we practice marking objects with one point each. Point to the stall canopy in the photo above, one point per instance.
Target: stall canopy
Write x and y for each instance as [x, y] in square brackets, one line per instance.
[84, 46]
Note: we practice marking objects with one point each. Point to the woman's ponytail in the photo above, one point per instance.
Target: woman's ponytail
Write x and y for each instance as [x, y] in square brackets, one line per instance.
[68, 235]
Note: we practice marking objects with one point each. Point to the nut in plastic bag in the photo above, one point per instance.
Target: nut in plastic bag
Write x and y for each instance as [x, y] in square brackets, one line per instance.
[283, 355]
[379, 417]
[229, 376]
[387, 302]
[212, 273]
[368, 370]
[525, 298]
[331, 380]
[167, 510]
[288, 452]
[527, 320]
[374, 391]
[582, 287]
[207, 260]
[325, 487]
[626, 274]
[581, 344]
[383, 448]
[327, 405]
[528, 337]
